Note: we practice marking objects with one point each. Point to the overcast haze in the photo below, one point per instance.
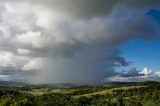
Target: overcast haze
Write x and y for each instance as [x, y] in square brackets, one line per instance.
[75, 41]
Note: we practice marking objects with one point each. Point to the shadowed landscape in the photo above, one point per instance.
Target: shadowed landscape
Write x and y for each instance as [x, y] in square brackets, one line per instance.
[133, 94]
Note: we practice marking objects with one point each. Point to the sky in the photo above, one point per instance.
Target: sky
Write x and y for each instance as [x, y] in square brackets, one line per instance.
[79, 41]
[142, 53]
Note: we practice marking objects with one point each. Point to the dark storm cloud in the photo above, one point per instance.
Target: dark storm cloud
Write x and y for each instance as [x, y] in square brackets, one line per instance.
[133, 72]
[71, 40]
[92, 8]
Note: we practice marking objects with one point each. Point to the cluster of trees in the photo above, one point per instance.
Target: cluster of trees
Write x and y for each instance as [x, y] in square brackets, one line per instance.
[144, 96]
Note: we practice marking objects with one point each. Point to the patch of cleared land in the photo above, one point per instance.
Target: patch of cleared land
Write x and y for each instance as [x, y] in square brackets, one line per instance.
[109, 91]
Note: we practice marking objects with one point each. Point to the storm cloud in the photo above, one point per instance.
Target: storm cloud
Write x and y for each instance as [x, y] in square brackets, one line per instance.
[74, 41]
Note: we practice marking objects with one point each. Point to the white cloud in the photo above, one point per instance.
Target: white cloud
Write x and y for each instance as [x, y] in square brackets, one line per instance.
[146, 71]
[157, 74]
[8, 59]
[17, 16]
[23, 51]
[33, 38]
[47, 18]
[145, 75]
[34, 64]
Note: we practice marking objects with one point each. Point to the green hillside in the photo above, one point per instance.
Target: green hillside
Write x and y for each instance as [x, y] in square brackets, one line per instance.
[137, 94]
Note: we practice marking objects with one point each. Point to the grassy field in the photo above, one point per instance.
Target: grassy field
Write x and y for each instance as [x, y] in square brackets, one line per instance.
[109, 91]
